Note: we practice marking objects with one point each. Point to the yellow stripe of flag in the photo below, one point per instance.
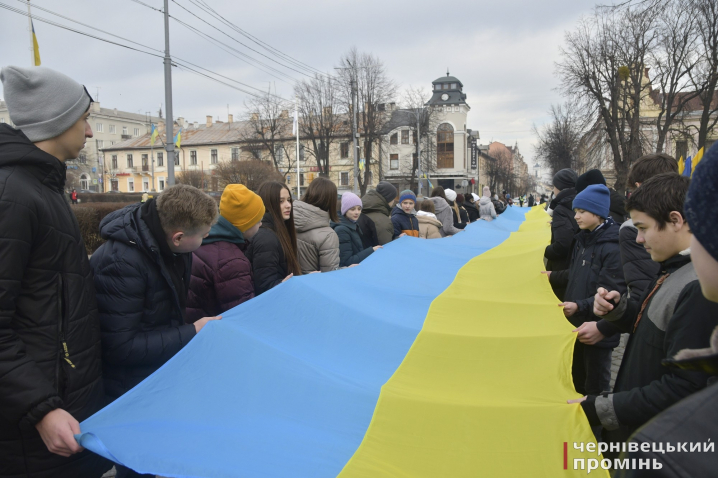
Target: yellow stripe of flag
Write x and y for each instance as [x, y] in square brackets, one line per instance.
[35, 46]
[483, 389]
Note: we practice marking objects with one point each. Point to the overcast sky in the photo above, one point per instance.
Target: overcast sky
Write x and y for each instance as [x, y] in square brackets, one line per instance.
[502, 51]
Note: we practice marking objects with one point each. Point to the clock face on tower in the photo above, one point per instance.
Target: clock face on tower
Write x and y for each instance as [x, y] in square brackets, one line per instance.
[444, 97]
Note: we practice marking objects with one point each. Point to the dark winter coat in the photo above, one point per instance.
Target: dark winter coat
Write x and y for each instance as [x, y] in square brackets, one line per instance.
[368, 231]
[563, 229]
[459, 221]
[692, 420]
[221, 273]
[676, 317]
[47, 299]
[617, 209]
[595, 262]
[140, 303]
[472, 210]
[638, 267]
[269, 264]
[532, 201]
[351, 249]
[499, 206]
[404, 223]
[378, 210]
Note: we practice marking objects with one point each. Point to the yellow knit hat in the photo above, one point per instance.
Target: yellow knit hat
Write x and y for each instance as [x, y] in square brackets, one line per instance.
[241, 207]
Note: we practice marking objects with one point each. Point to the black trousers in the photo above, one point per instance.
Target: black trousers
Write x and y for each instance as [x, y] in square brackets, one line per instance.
[591, 369]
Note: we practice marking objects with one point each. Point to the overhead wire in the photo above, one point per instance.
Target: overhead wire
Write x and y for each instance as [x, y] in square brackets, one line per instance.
[175, 59]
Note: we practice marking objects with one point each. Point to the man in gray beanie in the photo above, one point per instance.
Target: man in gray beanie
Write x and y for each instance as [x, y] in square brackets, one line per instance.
[50, 362]
[376, 205]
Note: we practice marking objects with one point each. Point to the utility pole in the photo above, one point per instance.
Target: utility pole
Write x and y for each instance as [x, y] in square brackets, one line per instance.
[169, 143]
[418, 147]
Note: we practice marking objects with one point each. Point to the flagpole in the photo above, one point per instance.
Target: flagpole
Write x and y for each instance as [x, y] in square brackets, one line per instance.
[32, 40]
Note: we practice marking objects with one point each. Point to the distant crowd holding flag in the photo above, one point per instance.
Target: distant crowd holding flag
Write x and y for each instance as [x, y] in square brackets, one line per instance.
[77, 332]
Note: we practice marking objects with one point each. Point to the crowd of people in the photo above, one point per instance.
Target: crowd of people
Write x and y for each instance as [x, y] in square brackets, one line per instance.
[76, 333]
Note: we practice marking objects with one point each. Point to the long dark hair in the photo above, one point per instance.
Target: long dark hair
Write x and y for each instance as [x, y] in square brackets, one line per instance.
[270, 191]
[438, 191]
[322, 193]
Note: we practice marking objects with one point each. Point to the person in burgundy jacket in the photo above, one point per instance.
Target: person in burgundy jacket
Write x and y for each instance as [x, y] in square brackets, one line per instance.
[221, 273]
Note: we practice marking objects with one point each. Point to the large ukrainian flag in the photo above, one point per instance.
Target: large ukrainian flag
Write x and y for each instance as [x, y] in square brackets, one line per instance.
[434, 358]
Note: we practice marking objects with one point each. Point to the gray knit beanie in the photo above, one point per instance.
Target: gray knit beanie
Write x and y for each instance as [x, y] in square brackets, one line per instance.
[387, 190]
[43, 103]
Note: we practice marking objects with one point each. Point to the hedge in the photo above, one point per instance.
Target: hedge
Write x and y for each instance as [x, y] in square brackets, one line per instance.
[89, 216]
[127, 198]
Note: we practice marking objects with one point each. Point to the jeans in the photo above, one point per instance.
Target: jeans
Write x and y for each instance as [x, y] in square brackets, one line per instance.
[591, 369]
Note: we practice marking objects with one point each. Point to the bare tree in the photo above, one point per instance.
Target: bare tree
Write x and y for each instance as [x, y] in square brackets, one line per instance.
[426, 120]
[268, 124]
[559, 140]
[672, 60]
[191, 177]
[373, 88]
[320, 120]
[603, 68]
[251, 172]
[500, 169]
[705, 76]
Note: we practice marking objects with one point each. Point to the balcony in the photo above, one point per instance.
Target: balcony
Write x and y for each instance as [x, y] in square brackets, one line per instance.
[145, 168]
[126, 136]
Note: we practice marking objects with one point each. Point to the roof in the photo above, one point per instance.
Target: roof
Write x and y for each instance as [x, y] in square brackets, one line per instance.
[399, 118]
[447, 79]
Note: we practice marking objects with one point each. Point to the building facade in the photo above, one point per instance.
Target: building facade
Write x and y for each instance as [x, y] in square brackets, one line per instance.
[109, 126]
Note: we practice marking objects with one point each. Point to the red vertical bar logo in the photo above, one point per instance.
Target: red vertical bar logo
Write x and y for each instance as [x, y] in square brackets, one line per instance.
[565, 455]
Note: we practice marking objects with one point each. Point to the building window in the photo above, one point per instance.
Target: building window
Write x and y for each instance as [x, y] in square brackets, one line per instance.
[405, 136]
[124, 130]
[113, 129]
[100, 144]
[98, 127]
[279, 153]
[82, 158]
[2, 120]
[394, 139]
[131, 185]
[445, 86]
[162, 184]
[301, 155]
[129, 161]
[160, 159]
[145, 185]
[344, 178]
[145, 163]
[114, 185]
[344, 149]
[112, 143]
[437, 87]
[453, 86]
[213, 155]
[84, 182]
[137, 132]
[114, 161]
[176, 159]
[301, 179]
[393, 161]
[193, 158]
[235, 154]
[445, 146]
[681, 150]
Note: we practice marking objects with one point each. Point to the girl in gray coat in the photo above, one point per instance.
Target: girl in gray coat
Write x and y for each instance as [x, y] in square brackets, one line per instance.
[443, 212]
[317, 243]
[487, 211]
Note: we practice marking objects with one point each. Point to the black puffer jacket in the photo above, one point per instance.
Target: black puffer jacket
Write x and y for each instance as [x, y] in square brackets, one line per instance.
[638, 267]
[563, 228]
[595, 262]
[617, 209]
[368, 231]
[46, 299]
[269, 265]
[141, 312]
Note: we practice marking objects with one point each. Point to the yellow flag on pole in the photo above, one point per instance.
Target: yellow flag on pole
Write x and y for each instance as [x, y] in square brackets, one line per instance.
[35, 46]
[681, 165]
[696, 160]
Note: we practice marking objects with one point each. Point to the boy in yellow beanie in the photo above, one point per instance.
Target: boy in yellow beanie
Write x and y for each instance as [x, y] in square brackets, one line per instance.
[221, 273]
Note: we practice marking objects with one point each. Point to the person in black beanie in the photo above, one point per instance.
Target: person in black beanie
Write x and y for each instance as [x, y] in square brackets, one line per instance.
[695, 418]
[563, 225]
[618, 202]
